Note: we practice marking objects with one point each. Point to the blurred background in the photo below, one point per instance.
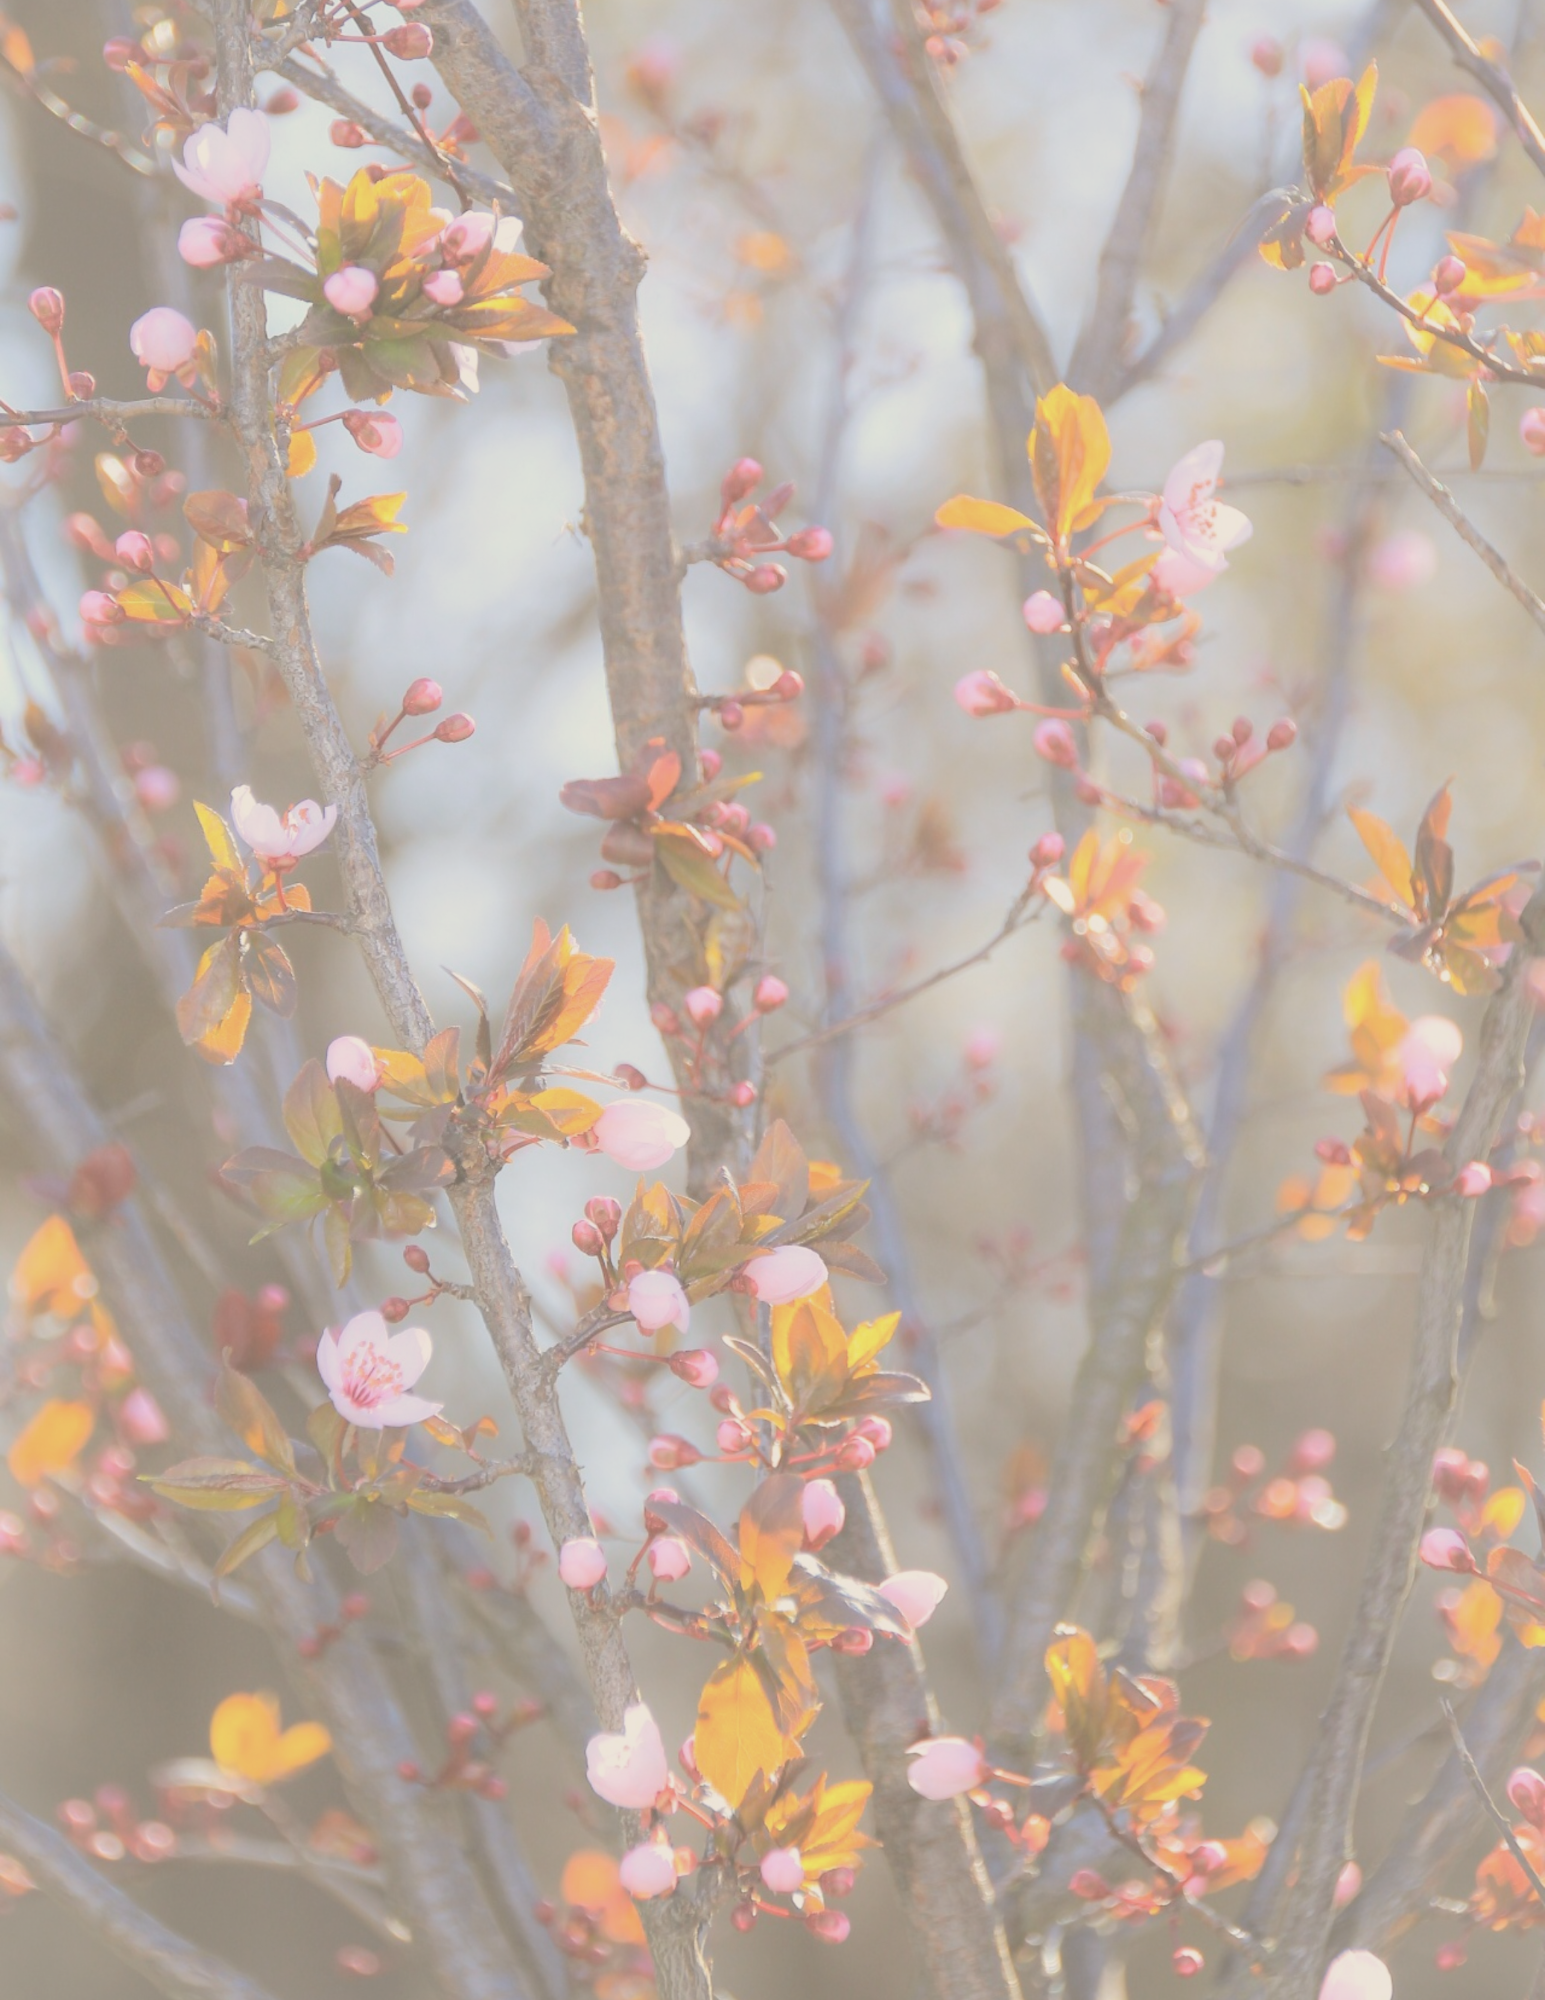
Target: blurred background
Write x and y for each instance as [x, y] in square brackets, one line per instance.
[745, 146]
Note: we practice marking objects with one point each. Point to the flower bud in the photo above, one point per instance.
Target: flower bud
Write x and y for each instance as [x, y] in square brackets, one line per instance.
[207, 241]
[587, 1239]
[1322, 279]
[668, 1453]
[1186, 1961]
[703, 1005]
[761, 837]
[838, 1882]
[1043, 613]
[395, 1309]
[764, 579]
[783, 1871]
[416, 1257]
[352, 291]
[696, 1366]
[733, 1437]
[345, 133]
[1472, 1180]
[455, 729]
[444, 288]
[606, 1214]
[1266, 54]
[582, 1562]
[830, 1926]
[742, 478]
[1446, 1548]
[46, 306]
[731, 715]
[789, 686]
[1320, 227]
[1283, 734]
[83, 384]
[149, 465]
[982, 693]
[1088, 1886]
[422, 698]
[1531, 428]
[770, 993]
[743, 1917]
[605, 878]
[853, 1640]
[280, 103]
[411, 41]
[743, 1095]
[1410, 178]
[1048, 851]
[134, 551]
[669, 1559]
[98, 608]
[712, 763]
[878, 1430]
[374, 431]
[822, 1512]
[810, 544]
[1056, 743]
[855, 1454]
[1448, 274]
[1526, 1790]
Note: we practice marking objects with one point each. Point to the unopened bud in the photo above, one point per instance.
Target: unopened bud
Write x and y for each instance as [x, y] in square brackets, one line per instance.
[605, 878]
[742, 478]
[855, 1454]
[416, 1257]
[733, 1437]
[1410, 177]
[587, 1239]
[344, 132]
[1056, 743]
[1266, 54]
[149, 464]
[280, 103]
[120, 50]
[1048, 851]
[810, 544]
[605, 1213]
[1321, 225]
[1448, 274]
[134, 551]
[731, 715]
[422, 96]
[411, 41]
[743, 1094]
[1088, 1886]
[703, 1005]
[761, 837]
[395, 1309]
[83, 384]
[630, 1077]
[422, 698]
[764, 579]
[1322, 279]
[1283, 734]
[669, 1454]
[712, 763]
[46, 306]
[695, 1365]
[455, 729]
[789, 686]
[770, 993]
[830, 1926]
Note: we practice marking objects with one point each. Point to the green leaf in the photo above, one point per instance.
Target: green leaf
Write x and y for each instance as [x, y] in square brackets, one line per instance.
[450, 1507]
[256, 1535]
[368, 1534]
[220, 1485]
[693, 870]
[248, 1412]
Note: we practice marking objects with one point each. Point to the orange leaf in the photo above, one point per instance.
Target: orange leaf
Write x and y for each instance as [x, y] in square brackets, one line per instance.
[1460, 130]
[737, 1738]
[245, 1737]
[1069, 454]
[772, 1531]
[1388, 851]
[51, 1275]
[1078, 1684]
[52, 1442]
[302, 455]
[981, 517]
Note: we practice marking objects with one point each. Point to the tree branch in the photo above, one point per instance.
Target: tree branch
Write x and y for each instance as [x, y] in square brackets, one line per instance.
[1466, 530]
[161, 1956]
[1491, 76]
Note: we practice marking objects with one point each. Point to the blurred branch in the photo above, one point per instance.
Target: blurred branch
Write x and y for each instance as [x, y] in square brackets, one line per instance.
[166, 1960]
[1466, 530]
[1098, 357]
[1303, 1922]
[1494, 1812]
[1491, 76]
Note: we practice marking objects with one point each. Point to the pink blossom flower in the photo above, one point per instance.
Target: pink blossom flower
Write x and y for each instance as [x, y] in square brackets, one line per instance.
[351, 1059]
[470, 234]
[915, 1593]
[1410, 177]
[1056, 743]
[656, 1299]
[1446, 1548]
[1357, 1975]
[783, 1871]
[1043, 613]
[375, 431]
[280, 838]
[770, 994]
[1321, 225]
[790, 1272]
[945, 1766]
[669, 1558]
[369, 1371]
[1178, 575]
[1403, 561]
[982, 693]
[1426, 1058]
[629, 1769]
[648, 1870]
[639, 1134]
[1526, 1790]
[444, 288]
[205, 241]
[1191, 519]
[226, 166]
[352, 291]
[582, 1562]
[141, 1418]
[822, 1511]
[163, 341]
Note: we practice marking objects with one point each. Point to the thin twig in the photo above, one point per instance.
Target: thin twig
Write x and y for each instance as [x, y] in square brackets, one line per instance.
[1466, 529]
[1494, 1811]
[1491, 76]
[116, 415]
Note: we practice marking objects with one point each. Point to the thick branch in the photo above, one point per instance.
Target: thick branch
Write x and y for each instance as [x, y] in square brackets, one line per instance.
[1432, 1388]
[166, 1960]
[1491, 76]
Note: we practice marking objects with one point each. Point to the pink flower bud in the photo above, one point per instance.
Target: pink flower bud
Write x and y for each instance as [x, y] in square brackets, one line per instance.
[878, 1430]
[982, 693]
[731, 715]
[1526, 1790]
[810, 544]
[98, 608]
[587, 1239]
[141, 1420]
[444, 288]
[783, 1871]
[733, 1437]
[763, 580]
[1056, 743]
[1410, 178]
[134, 551]
[162, 340]
[761, 837]
[1321, 225]
[1322, 279]
[422, 698]
[1048, 851]
[207, 241]
[830, 1926]
[1531, 428]
[411, 41]
[1348, 1884]
[742, 478]
[943, 1767]
[582, 1562]
[352, 291]
[668, 1453]
[605, 1213]
[350, 1059]
[1357, 1975]
[770, 993]
[789, 686]
[1448, 274]
[822, 1511]
[1186, 1961]
[703, 1005]
[696, 1366]
[157, 788]
[46, 306]
[648, 1871]
[1043, 613]
[1283, 734]
[1446, 1548]
[855, 1454]
[983, 1048]
[83, 384]
[1473, 1179]
[455, 729]
[1266, 54]
[374, 431]
[669, 1559]
[915, 1593]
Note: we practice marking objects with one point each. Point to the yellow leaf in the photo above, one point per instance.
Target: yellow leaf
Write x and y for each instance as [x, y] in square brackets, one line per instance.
[152, 602]
[1388, 851]
[51, 1275]
[219, 838]
[1503, 1512]
[1069, 454]
[982, 517]
[809, 1348]
[245, 1737]
[772, 1530]
[1078, 1684]
[834, 1841]
[866, 1341]
[737, 1738]
[223, 1043]
[302, 454]
[52, 1442]
[592, 1882]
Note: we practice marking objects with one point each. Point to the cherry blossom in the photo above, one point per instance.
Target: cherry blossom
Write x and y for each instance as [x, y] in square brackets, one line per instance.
[639, 1134]
[352, 291]
[629, 1769]
[351, 1059]
[226, 166]
[792, 1271]
[648, 1870]
[1043, 613]
[1446, 1548]
[1357, 1975]
[1426, 1057]
[280, 839]
[1192, 521]
[1178, 575]
[582, 1562]
[982, 693]
[915, 1593]
[783, 1871]
[162, 341]
[369, 1370]
[943, 1767]
[205, 241]
[669, 1558]
[656, 1299]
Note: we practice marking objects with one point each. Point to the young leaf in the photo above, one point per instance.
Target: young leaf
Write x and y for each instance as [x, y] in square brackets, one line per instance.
[1069, 454]
[737, 1738]
[772, 1530]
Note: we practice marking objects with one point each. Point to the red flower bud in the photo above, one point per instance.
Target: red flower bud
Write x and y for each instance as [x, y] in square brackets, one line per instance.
[416, 1257]
[855, 1454]
[712, 763]
[280, 103]
[149, 464]
[605, 1213]
[47, 307]
[763, 580]
[395, 1309]
[411, 41]
[422, 698]
[743, 1917]
[743, 1094]
[830, 1926]
[1322, 279]
[1243, 730]
[1283, 734]
[770, 993]
[455, 729]
[695, 1365]
[343, 132]
[838, 1882]
[605, 878]
[83, 384]
[789, 686]
[1187, 1961]
[810, 544]
[743, 477]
